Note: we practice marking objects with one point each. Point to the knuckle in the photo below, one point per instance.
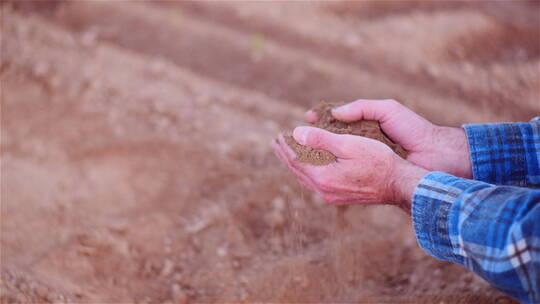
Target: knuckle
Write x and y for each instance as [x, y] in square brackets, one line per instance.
[392, 102]
[356, 104]
[396, 105]
[315, 139]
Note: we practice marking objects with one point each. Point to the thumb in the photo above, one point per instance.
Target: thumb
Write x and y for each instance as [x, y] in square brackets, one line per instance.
[380, 110]
[317, 138]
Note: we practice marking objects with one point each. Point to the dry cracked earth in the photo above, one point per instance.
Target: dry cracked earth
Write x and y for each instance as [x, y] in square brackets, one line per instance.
[135, 144]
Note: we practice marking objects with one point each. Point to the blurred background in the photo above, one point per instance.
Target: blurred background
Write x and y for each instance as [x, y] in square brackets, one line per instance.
[135, 144]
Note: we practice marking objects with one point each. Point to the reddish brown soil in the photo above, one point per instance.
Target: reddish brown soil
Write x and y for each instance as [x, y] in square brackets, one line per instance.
[366, 128]
[135, 145]
[309, 155]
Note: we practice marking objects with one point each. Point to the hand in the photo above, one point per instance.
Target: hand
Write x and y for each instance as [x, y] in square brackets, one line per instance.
[366, 171]
[432, 147]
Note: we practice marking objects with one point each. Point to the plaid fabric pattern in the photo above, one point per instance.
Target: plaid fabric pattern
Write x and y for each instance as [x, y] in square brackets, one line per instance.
[489, 225]
[506, 153]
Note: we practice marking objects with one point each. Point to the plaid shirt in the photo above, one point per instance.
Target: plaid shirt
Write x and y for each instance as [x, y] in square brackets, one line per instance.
[490, 225]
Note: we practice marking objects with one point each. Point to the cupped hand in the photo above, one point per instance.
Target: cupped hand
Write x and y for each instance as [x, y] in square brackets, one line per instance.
[366, 171]
[430, 146]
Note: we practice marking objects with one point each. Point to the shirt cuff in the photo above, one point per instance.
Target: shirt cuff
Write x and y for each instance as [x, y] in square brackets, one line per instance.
[481, 142]
[505, 153]
[433, 215]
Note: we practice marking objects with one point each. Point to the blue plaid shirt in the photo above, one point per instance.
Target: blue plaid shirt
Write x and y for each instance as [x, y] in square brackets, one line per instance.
[490, 225]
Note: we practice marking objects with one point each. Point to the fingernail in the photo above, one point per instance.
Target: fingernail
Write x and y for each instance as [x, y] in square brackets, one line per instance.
[340, 109]
[300, 134]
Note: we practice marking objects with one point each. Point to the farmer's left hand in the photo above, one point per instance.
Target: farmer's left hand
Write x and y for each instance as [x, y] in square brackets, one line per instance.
[366, 171]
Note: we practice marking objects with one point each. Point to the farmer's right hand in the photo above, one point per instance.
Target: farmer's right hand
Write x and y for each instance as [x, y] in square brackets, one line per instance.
[430, 146]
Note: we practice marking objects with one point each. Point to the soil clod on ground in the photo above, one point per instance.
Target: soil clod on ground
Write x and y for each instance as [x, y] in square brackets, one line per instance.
[366, 128]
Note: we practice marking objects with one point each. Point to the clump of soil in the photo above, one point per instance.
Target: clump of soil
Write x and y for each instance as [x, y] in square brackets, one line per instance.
[309, 155]
[366, 128]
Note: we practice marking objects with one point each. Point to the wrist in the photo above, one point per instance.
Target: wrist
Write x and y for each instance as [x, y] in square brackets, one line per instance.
[453, 151]
[405, 178]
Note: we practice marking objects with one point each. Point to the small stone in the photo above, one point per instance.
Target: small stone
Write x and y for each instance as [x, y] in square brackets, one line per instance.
[120, 227]
[221, 251]
[198, 225]
[168, 267]
[276, 219]
[42, 292]
[178, 295]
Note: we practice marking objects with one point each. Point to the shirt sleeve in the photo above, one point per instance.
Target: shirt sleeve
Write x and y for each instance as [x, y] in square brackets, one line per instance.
[491, 230]
[505, 153]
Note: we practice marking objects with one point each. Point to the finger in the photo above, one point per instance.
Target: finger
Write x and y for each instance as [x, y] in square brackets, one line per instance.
[341, 145]
[396, 120]
[367, 109]
[311, 116]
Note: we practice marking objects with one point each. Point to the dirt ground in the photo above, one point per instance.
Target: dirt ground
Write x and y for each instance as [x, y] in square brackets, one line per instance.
[135, 136]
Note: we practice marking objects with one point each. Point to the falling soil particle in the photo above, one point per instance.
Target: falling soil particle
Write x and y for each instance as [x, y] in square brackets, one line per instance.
[366, 128]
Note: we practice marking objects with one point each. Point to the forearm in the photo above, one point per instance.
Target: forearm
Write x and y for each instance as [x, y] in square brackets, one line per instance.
[491, 230]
